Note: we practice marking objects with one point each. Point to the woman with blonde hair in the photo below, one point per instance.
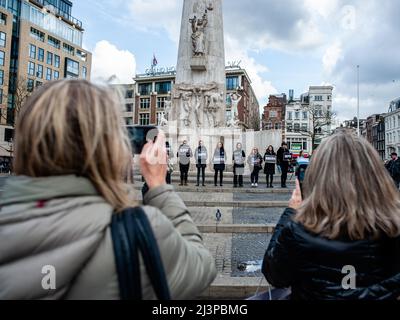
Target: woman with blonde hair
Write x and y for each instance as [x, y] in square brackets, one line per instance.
[340, 240]
[71, 157]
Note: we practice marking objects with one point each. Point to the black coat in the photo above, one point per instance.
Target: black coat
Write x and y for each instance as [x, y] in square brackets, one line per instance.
[280, 157]
[312, 266]
[269, 168]
[393, 166]
[219, 159]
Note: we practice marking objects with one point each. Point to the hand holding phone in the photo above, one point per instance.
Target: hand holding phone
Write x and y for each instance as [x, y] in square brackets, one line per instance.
[296, 200]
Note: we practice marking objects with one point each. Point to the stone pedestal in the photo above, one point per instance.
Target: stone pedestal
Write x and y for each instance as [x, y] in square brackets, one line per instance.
[198, 64]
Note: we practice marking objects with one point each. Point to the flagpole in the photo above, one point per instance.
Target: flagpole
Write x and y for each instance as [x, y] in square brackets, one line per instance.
[358, 100]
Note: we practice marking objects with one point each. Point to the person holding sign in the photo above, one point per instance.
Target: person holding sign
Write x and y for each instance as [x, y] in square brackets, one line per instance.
[219, 163]
[201, 156]
[270, 163]
[239, 158]
[284, 157]
[184, 155]
[255, 162]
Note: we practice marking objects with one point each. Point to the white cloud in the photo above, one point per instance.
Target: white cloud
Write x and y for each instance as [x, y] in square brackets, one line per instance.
[111, 62]
[332, 55]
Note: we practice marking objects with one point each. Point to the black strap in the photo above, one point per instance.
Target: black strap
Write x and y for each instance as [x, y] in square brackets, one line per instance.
[131, 231]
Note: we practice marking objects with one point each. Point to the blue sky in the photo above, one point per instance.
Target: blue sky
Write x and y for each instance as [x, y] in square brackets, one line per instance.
[283, 44]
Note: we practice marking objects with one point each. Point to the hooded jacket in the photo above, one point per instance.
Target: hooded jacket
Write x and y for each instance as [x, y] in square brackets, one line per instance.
[63, 222]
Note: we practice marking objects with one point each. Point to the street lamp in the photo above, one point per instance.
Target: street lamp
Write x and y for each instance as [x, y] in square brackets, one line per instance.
[358, 100]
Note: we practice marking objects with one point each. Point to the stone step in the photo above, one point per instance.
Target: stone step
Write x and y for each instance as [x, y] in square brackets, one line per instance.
[237, 228]
[227, 189]
[226, 288]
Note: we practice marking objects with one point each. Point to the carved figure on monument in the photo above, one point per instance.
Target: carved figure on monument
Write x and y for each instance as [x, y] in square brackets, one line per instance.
[213, 104]
[235, 98]
[165, 115]
[198, 35]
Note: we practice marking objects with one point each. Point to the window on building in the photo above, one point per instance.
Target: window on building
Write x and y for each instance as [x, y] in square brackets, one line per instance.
[273, 114]
[304, 127]
[54, 42]
[289, 127]
[68, 49]
[128, 121]
[39, 72]
[84, 72]
[305, 115]
[305, 146]
[145, 89]
[30, 85]
[82, 55]
[38, 84]
[232, 83]
[72, 68]
[297, 127]
[3, 19]
[57, 61]
[290, 115]
[329, 98]
[1, 77]
[32, 51]
[129, 107]
[319, 98]
[163, 87]
[161, 102]
[56, 75]
[144, 103]
[3, 39]
[129, 94]
[31, 68]
[49, 73]
[36, 34]
[144, 119]
[278, 126]
[41, 55]
[297, 115]
[228, 101]
[50, 58]
[2, 57]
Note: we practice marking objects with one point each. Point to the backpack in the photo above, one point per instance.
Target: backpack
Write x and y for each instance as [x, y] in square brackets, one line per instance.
[131, 232]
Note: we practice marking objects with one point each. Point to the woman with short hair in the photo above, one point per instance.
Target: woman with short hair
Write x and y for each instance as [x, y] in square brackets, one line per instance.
[340, 240]
[72, 155]
[270, 164]
[219, 163]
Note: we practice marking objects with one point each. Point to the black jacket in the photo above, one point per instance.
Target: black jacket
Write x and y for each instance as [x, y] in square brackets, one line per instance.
[312, 266]
[393, 166]
[269, 168]
[280, 157]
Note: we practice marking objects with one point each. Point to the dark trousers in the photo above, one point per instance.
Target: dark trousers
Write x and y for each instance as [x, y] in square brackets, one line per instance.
[168, 179]
[285, 169]
[221, 176]
[270, 179]
[184, 169]
[238, 176]
[201, 170]
[254, 175]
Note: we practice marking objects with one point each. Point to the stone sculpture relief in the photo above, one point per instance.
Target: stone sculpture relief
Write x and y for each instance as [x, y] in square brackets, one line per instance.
[199, 102]
[165, 116]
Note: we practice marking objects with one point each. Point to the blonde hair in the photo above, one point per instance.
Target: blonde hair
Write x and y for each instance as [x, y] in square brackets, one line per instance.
[348, 192]
[73, 127]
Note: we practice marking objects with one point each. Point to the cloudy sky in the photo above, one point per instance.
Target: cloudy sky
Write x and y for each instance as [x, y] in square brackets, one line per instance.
[283, 44]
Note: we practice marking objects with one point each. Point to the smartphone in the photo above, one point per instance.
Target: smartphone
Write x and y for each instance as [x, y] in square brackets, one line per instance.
[140, 135]
[301, 174]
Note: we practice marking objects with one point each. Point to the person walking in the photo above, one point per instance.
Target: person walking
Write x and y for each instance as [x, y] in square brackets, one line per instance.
[239, 158]
[284, 158]
[201, 156]
[255, 163]
[170, 155]
[270, 164]
[219, 163]
[59, 214]
[340, 240]
[393, 166]
[184, 154]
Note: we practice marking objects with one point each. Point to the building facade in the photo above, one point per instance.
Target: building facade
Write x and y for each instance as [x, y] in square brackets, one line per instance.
[274, 112]
[392, 128]
[378, 136]
[153, 92]
[42, 42]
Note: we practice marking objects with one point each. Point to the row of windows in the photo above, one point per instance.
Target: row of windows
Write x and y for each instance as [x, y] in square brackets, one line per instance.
[321, 98]
[297, 115]
[51, 59]
[391, 137]
[296, 127]
[145, 103]
[144, 118]
[37, 71]
[164, 87]
[232, 83]
[391, 122]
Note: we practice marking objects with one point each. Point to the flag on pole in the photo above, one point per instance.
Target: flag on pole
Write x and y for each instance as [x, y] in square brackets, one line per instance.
[155, 62]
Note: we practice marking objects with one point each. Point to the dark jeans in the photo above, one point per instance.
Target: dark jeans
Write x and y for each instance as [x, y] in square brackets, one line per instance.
[202, 171]
[254, 175]
[184, 168]
[270, 179]
[285, 169]
[168, 179]
[238, 176]
[221, 176]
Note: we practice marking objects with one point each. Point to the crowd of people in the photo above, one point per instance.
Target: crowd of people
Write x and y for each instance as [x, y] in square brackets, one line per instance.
[71, 207]
[283, 158]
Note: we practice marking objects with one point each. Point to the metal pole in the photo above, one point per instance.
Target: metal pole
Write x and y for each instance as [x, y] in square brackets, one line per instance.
[358, 100]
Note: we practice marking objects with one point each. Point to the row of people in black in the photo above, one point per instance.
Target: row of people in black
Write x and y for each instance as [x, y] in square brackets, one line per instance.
[255, 161]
